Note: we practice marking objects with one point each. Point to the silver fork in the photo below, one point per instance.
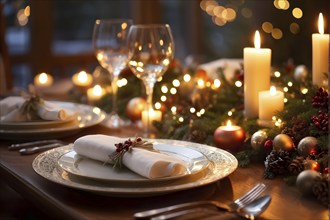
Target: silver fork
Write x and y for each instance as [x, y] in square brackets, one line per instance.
[231, 207]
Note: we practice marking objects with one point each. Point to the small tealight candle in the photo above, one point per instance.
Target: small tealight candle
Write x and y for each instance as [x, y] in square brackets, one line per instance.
[154, 115]
[229, 137]
[82, 79]
[270, 102]
[43, 80]
[95, 93]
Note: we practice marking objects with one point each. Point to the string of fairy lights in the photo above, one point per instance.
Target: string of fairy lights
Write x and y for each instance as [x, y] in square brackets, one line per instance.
[228, 12]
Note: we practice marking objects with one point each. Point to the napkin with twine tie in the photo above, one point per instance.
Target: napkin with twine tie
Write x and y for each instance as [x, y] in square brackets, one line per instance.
[144, 162]
[12, 109]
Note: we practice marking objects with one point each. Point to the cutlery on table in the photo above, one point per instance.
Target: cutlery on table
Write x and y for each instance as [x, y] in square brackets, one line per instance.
[250, 211]
[35, 146]
[33, 150]
[232, 207]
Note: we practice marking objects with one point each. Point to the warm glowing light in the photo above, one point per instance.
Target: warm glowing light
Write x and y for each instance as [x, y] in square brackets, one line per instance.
[257, 40]
[163, 98]
[277, 33]
[246, 12]
[124, 25]
[238, 84]
[192, 110]
[164, 89]
[267, 27]
[272, 90]
[158, 105]
[186, 77]
[230, 113]
[297, 13]
[43, 78]
[198, 114]
[200, 83]
[176, 83]
[97, 90]
[290, 84]
[285, 100]
[95, 93]
[217, 83]
[321, 24]
[173, 91]
[82, 76]
[27, 11]
[173, 109]
[285, 89]
[122, 82]
[277, 74]
[304, 91]
[181, 119]
[202, 111]
[228, 123]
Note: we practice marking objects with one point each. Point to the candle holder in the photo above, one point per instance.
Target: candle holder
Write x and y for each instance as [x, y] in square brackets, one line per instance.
[229, 137]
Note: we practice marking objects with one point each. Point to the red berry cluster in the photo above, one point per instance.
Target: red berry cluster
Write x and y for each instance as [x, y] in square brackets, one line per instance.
[126, 145]
[321, 121]
[320, 99]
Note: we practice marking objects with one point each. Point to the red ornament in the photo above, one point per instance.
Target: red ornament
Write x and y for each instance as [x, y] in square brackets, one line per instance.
[268, 145]
[326, 170]
[312, 165]
[229, 137]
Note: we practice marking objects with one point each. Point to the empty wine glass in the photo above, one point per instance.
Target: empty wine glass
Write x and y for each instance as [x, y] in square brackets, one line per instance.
[151, 49]
[110, 46]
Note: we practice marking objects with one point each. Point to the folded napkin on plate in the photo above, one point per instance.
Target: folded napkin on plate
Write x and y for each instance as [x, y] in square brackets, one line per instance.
[144, 162]
[10, 110]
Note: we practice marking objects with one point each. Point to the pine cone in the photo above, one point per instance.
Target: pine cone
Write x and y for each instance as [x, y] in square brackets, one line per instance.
[296, 165]
[277, 162]
[298, 130]
[321, 190]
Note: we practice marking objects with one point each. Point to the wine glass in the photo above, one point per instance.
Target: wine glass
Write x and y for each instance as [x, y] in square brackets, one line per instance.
[110, 46]
[151, 49]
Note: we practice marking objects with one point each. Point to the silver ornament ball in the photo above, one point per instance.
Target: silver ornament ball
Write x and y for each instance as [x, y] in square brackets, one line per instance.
[306, 180]
[258, 139]
[283, 142]
[300, 73]
[307, 145]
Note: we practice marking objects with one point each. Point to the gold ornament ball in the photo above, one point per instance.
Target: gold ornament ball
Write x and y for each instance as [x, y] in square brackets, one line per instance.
[283, 142]
[258, 139]
[135, 107]
[305, 181]
[307, 145]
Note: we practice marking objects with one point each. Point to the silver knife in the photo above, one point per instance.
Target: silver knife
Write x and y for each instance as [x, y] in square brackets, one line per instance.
[28, 151]
[31, 144]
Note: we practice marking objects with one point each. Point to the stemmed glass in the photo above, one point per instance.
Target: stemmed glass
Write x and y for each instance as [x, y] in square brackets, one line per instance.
[110, 46]
[151, 49]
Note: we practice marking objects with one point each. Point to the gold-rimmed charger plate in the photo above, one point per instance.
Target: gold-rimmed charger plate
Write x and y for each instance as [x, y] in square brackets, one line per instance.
[222, 164]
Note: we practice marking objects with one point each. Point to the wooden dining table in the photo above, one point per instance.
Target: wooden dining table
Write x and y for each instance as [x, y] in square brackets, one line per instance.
[60, 202]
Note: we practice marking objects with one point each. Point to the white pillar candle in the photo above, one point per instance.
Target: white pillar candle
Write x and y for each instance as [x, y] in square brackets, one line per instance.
[257, 63]
[95, 93]
[43, 80]
[82, 79]
[320, 54]
[154, 115]
[270, 102]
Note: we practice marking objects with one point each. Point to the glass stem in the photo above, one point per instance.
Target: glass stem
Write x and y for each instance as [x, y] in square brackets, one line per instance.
[114, 88]
[149, 91]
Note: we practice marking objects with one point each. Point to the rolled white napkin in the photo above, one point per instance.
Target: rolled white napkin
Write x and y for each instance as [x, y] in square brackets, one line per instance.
[10, 110]
[143, 162]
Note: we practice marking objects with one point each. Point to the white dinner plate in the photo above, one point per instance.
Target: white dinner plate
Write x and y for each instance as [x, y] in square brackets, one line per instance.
[222, 163]
[86, 116]
[82, 166]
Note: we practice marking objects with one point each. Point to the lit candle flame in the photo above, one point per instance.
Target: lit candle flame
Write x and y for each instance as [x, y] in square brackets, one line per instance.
[257, 40]
[272, 90]
[228, 123]
[320, 24]
[82, 76]
[43, 78]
